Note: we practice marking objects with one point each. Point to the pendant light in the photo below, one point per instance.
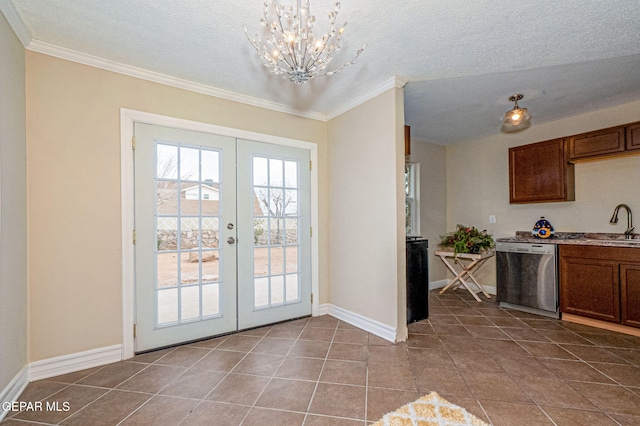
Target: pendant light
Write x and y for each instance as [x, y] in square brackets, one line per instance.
[517, 118]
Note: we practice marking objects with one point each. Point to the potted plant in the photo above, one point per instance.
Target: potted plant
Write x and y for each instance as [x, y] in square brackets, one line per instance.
[467, 239]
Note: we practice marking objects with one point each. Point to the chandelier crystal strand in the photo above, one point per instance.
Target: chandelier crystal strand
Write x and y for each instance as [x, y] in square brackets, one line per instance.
[291, 48]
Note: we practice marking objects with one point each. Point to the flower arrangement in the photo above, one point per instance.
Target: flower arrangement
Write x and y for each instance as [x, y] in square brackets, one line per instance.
[467, 239]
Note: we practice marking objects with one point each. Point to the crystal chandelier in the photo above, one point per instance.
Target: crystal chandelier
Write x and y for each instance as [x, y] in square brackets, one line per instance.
[291, 49]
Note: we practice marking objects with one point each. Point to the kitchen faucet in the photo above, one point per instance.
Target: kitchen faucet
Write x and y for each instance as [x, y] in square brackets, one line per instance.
[614, 219]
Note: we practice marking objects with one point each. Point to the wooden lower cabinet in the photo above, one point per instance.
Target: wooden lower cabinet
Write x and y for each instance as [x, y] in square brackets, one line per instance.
[590, 288]
[630, 294]
[601, 283]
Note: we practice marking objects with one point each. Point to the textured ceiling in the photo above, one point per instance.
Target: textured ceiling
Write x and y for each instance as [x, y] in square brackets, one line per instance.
[460, 57]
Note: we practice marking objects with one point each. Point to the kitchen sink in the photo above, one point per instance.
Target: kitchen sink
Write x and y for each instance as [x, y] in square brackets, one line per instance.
[615, 241]
[612, 238]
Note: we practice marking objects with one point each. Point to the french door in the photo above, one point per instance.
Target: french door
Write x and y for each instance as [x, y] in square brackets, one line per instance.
[220, 240]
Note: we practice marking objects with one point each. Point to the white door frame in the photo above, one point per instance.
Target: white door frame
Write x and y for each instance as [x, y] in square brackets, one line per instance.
[127, 118]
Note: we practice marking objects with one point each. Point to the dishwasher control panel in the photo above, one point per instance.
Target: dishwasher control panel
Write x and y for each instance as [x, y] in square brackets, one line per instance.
[532, 248]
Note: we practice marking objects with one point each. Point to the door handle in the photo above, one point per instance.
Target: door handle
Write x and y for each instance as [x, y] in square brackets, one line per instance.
[231, 240]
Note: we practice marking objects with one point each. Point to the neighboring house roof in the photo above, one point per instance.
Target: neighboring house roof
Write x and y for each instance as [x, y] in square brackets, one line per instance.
[168, 202]
[201, 185]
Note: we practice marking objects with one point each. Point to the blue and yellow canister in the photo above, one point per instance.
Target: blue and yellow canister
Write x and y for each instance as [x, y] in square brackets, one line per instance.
[542, 229]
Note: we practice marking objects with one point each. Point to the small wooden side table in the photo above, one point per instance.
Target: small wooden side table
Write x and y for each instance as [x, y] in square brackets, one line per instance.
[452, 259]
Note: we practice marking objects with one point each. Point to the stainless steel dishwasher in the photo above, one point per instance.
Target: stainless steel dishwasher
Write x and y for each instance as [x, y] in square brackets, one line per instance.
[527, 277]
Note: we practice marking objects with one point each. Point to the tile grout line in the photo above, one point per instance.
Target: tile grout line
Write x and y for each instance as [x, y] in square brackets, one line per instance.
[313, 394]
[228, 373]
[275, 371]
[187, 369]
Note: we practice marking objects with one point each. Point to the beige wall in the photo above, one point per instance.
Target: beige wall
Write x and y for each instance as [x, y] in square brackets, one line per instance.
[433, 199]
[13, 207]
[366, 209]
[73, 122]
[478, 182]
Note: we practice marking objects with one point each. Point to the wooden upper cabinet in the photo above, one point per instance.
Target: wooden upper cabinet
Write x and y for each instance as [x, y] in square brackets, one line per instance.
[540, 173]
[407, 140]
[595, 144]
[633, 136]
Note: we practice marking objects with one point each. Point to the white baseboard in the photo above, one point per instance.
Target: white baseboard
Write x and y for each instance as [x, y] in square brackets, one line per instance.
[381, 330]
[57, 366]
[442, 283]
[438, 284]
[12, 391]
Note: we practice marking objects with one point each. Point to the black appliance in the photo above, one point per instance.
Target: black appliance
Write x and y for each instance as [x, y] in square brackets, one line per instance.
[417, 279]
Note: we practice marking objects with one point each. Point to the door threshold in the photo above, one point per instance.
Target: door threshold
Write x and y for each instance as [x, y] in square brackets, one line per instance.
[189, 342]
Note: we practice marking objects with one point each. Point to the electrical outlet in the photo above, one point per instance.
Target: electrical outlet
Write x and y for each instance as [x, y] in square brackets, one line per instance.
[492, 218]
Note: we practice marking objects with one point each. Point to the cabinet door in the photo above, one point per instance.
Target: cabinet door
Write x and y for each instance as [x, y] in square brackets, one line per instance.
[630, 294]
[598, 143]
[540, 173]
[590, 287]
[633, 137]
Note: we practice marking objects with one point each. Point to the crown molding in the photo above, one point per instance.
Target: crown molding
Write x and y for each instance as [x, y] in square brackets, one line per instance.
[141, 73]
[393, 82]
[15, 21]
[109, 65]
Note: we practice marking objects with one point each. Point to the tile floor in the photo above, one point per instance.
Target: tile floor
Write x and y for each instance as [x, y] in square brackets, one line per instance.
[506, 367]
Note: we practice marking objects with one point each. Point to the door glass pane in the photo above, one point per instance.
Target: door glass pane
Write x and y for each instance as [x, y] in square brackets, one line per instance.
[260, 171]
[291, 225]
[189, 233]
[210, 300]
[210, 166]
[261, 292]
[261, 261]
[167, 233]
[167, 270]
[291, 174]
[188, 210]
[167, 161]
[210, 265]
[276, 202]
[189, 267]
[293, 291]
[277, 290]
[189, 163]
[167, 306]
[291, 258]
[260, 233]
[210, 232]
[190, 302]
[210, 199]
[276, 261]
[276, 230]
[291, 202]
[167, 197]
[189, 198]
[275, 173]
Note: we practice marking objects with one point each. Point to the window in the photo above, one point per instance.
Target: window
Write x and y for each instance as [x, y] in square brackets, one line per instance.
[412, 198]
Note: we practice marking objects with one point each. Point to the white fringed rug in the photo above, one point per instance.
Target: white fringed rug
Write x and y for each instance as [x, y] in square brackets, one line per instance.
[430, 410]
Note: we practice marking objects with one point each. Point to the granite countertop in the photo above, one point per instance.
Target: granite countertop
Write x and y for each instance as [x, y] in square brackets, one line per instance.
[576, 238]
